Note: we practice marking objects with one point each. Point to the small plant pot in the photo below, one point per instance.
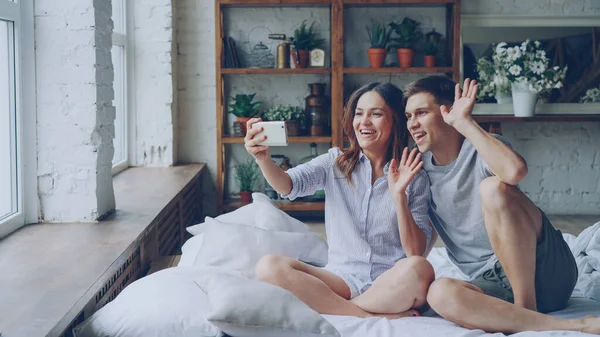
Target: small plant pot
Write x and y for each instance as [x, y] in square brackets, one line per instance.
[377, 57]
[293, 128]
[430, 61]
[243, 121]
[246, 196]
[301, 62]
[405, 57]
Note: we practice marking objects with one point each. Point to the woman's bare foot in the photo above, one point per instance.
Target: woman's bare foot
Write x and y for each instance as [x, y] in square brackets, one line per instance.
[591, 324]
[407, 313]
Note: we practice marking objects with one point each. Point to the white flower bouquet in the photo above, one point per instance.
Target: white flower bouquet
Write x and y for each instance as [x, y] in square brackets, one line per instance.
[591, 96]
[527, 64]
[492, 79]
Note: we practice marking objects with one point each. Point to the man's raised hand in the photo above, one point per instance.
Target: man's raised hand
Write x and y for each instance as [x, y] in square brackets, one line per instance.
[461, 112]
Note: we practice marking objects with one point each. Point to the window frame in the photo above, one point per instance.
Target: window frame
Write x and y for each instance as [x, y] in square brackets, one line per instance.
[22, 15]
[125, 40]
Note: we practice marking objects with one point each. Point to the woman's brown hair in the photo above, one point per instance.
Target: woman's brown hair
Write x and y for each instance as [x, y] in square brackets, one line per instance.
[393, 98]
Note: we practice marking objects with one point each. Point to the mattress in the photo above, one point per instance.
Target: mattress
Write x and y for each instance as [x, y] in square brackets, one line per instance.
[437, 326]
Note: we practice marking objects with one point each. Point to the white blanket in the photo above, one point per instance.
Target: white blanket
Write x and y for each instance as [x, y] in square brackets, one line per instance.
[586, 249]
[585, 299]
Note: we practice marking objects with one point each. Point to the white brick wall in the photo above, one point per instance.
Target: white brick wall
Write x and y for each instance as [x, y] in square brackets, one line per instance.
[74, 109]
[555, 186]
[197, 91]
[154, 82]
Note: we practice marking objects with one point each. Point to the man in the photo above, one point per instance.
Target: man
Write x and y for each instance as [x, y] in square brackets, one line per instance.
[518, 265]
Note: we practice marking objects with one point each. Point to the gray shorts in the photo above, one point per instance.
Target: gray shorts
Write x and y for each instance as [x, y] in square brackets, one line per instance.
[555, 273]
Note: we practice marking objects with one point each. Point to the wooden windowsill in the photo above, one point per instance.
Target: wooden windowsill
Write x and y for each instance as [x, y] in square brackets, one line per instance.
[49, 272]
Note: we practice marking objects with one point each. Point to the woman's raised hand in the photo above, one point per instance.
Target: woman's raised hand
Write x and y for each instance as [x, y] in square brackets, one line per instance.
[259, 152]
[401, 174]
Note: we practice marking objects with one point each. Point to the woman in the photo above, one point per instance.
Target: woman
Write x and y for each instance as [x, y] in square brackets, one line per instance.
[375, 214]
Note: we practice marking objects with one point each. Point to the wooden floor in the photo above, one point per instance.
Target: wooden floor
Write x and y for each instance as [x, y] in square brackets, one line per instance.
[572, 224]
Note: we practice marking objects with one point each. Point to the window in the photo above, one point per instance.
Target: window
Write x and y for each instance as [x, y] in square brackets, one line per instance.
[122, 74]
[16, 116]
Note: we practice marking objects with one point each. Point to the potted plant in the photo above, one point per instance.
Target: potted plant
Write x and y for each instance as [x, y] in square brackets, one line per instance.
[379, 37]
[305, 39]
[292, 115]
[430, 51]
[246, 175]
[408, 34]
[244, 108]
[529, 73]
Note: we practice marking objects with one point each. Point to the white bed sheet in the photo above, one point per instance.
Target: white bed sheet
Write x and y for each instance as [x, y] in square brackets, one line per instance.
[435, 326]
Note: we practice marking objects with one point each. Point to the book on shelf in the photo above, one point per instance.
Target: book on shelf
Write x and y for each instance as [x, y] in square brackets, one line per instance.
[230, 53]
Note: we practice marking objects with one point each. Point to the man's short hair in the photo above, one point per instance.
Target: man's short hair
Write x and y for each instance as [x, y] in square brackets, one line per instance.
[441, 87]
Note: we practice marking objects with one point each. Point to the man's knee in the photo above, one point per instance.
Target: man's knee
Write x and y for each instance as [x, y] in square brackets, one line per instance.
[271, 268]
[495, 194]
[444, 295]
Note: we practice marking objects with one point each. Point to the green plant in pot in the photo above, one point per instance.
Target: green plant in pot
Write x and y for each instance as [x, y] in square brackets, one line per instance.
[246, 175]
[379, 37]
[292, 115]
[305, 39]
[244, 108]
[409, 33]
[430, 51]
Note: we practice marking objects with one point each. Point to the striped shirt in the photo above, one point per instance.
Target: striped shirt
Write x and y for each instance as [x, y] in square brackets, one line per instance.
[360, 218]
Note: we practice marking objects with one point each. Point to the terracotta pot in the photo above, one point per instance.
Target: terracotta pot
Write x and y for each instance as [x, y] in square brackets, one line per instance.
[304, 58]
[243, 121]
[377, 57]
[429, 61]
[405, 57]
[246, 196]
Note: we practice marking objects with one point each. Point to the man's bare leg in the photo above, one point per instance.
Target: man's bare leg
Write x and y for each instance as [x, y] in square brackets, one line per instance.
[514, 225]
[400, 288]
[466, 305]
[322, 291]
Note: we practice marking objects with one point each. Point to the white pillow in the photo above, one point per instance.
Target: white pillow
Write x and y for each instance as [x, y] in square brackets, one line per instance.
[243, 215]
[239, 247]
[166, 303]
[269, 217]
[190, 249]
[244, 308]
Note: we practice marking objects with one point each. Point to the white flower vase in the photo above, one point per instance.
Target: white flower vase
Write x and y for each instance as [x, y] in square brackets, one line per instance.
[503, 98]
[524, 100]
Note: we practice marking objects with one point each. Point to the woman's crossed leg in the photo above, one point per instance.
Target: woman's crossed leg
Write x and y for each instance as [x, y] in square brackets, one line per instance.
[394, 294]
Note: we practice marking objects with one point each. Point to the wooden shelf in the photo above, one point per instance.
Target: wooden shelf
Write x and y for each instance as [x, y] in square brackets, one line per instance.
[396, 2]
[536, 118]
[282, 205]
[306, 139]
[324, 2]
[274, 2]
[335, 74]
[390, 70]
[274, 71]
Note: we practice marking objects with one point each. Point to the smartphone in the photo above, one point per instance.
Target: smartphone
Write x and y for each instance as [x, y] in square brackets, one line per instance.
[275, 131]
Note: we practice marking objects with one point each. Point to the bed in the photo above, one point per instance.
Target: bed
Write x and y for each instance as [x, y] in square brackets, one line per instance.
[212, 290]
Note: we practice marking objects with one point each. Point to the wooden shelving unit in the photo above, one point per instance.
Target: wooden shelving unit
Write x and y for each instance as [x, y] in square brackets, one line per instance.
[336, 71]
[307, 139]
[390, 70]
[262, 71]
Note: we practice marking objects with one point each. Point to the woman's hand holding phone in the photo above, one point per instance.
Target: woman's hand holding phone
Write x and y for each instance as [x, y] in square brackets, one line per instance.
[259, 152]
